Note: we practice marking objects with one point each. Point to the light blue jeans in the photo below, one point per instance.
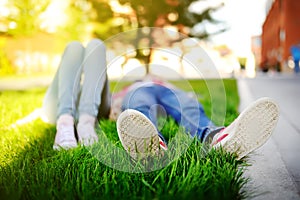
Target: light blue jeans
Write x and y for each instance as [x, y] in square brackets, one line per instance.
[80, 84]
[186, 111]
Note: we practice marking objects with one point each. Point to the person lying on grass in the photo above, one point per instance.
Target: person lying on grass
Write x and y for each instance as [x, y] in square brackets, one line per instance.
[72, 98]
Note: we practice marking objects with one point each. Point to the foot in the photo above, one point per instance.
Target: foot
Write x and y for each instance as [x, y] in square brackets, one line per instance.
[86, 130]
[138, 135]
[65, 135]
[250, 130]
[65, 138]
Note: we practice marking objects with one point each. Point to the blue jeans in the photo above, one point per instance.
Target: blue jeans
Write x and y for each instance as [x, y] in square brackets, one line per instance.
[80, 84]
[186, 111]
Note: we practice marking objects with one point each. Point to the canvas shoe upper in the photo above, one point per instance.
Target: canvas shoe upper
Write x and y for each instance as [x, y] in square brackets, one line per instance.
[65, 137]
[250, 130]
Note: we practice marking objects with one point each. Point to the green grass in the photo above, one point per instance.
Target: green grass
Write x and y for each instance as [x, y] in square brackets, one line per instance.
[30, 169]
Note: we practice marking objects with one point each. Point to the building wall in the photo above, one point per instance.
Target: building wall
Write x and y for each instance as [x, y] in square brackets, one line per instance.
[292, 25]
[281, 30]
[270, 36]
[256, 49]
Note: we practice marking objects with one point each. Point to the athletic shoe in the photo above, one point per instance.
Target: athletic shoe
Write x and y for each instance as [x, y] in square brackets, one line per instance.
[138, 135]
[65, 138]
[86, 130]
[86, 134]
[250, 130]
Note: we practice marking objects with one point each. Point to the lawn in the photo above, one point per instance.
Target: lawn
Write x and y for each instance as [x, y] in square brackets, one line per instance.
[30, 169]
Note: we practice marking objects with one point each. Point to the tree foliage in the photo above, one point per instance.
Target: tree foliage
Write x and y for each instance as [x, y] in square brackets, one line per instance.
[25, 16]
[98, 18]
[163, 13]
[160, 13]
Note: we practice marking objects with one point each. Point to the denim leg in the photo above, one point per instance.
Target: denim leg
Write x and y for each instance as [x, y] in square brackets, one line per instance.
[95, 79]
[69, 79]
[50, 101]
[143, 99]
[187, 111]
[62, 95]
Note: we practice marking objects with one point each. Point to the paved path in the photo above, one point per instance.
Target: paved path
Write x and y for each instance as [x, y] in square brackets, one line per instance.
[275, 170]
[24, 83]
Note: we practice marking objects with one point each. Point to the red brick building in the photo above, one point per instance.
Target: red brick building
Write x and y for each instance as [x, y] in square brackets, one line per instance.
[256, 49]
[281, 30]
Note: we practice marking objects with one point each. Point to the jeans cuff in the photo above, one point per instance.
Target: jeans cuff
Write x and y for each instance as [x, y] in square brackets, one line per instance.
[210, 133]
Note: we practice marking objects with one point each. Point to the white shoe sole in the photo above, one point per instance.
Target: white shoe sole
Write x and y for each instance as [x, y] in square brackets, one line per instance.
[65, 146]
[252, 128]
[137, 134]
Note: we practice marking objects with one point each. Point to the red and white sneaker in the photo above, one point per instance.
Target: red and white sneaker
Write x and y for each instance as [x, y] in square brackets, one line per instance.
[250, 130]
[138, 135]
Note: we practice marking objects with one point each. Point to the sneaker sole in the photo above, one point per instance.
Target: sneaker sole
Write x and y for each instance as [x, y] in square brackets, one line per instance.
[65, 146]
[137, 134]
[252, 128]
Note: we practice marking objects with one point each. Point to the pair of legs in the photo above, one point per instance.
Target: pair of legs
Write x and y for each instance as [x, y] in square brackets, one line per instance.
[79, 92]
[140, 137]
[137, 125]
[187, 111]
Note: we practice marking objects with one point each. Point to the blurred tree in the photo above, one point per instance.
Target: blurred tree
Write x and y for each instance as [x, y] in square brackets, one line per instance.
[89, 18]
[86, 19]
[102, 17]
[24, 16]
[22, 19]
[162, 13]
[77, 22]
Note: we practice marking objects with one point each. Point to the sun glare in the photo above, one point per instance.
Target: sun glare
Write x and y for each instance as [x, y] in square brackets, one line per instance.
[4, 11]
[54, 15]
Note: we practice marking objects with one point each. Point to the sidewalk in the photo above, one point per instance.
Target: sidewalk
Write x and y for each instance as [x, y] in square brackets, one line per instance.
[24, 83]
[275, 170]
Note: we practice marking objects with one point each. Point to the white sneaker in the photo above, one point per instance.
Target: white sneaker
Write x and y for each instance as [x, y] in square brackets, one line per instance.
[138, 135]
[65, 137]
[250, 130]
[86, 130]
[86, 134]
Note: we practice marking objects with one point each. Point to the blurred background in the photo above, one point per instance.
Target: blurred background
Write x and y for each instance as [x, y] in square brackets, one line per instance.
[241, 37]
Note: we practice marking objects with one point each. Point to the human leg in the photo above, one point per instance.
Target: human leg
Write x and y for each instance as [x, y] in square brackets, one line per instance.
[137, 124]
[59, 104]
[187, 111]
[94, 70]
[50, 102]
[144, 100]
[95, 96]
[59, 98]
